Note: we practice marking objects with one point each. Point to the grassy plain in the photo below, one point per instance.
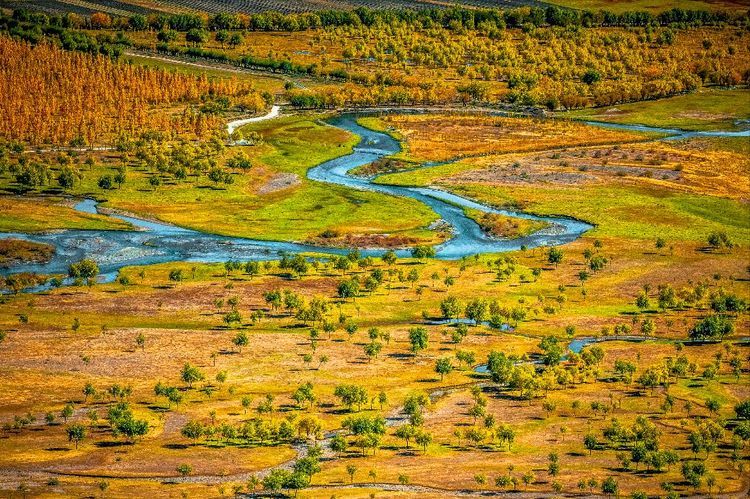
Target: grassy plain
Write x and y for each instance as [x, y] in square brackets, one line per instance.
[274, 200]
[49, 362]
[706, 109]
[26, 214]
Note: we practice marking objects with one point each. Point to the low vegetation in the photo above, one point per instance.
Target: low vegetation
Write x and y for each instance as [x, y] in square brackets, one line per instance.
[503, 226]
[15, 251]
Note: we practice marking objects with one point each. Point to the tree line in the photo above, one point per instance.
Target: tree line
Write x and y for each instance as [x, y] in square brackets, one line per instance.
[455, 18]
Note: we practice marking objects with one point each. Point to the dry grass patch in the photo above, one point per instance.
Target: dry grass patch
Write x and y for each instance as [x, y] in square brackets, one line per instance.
[443, 137]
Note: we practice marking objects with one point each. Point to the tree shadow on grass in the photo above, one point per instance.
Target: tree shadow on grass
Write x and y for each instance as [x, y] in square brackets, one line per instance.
[155, 407]
[112, 443]
[175, 446]
[400, 356]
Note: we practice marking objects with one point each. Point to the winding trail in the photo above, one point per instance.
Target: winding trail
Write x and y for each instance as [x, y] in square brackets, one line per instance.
[234, 125]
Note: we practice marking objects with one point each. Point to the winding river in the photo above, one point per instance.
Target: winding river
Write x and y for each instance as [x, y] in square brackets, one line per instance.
[153, 242]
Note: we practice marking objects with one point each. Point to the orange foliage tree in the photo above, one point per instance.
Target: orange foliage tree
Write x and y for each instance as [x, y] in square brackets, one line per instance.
[51, 96]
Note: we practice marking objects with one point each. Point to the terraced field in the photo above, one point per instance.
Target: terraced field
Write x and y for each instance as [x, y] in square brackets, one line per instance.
[125, 8]
[130, 7]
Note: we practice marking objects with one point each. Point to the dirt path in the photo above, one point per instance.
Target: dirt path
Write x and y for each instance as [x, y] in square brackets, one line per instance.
[234, 125]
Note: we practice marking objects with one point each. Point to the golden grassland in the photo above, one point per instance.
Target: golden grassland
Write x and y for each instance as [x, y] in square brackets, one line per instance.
[47, 364]
[692, 167]
[444, 137]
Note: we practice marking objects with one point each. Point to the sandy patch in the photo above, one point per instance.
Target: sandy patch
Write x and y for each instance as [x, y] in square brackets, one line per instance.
[280, 182]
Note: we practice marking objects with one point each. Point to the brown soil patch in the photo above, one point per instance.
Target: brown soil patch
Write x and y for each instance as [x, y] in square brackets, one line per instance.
[15, 251]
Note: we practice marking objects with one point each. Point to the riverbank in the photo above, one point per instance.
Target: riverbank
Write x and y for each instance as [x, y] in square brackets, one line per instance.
[161, 243]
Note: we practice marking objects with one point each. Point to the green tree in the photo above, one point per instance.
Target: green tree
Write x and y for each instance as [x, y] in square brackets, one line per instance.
[406, 432]
[338, 444]
[190, 374]
[553, 351]
[106, 182]
[351, 470]
[389, 257]
[76, 433]
[421, 252]
[642, 301]
[235, 39]
[450, 307]
[222, 36]
[86, 269]
[555, 256]
[140, 340]
[713, 327]
[196, 36]
[610, 486]
[419, 339]
[175, 275]
[66, 412]
[476, 310]
[193, 430]
[372, 349]
[742, 410]
[166, 35]
[590, 442]
[240, 340]
[591, 76]
[423, 439]
[348, 289]
[88, 391]
[443, 366]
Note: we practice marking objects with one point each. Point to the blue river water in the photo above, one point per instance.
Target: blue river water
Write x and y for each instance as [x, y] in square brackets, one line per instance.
[153, 242]
[671, 133]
